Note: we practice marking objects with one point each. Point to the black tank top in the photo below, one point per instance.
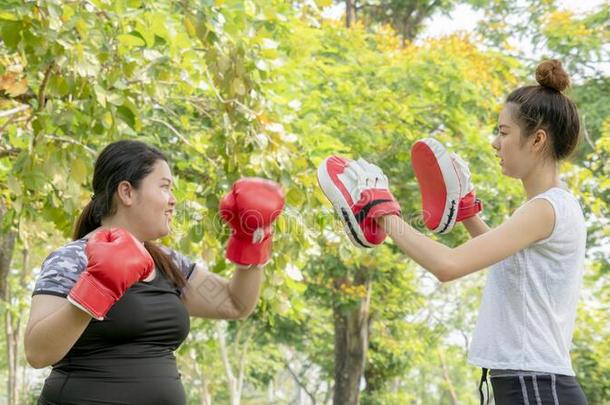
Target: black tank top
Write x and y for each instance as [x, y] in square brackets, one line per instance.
[128, 357]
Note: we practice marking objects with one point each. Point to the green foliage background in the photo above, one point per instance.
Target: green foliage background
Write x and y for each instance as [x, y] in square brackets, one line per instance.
[270, 88]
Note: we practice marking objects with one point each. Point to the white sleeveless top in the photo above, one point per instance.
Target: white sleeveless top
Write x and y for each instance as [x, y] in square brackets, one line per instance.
[529, 303]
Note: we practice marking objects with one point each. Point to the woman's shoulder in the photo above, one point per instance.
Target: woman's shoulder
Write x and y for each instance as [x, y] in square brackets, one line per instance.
[567, 216]
[184, 263]
[560, 192]
[61, 269]
[563, 200]
[72, 252]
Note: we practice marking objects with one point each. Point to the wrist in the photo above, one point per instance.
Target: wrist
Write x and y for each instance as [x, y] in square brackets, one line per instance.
[471, 220]
[91, 297]
[245, 252]
[386, 221]
[469, 207]
[249, 267]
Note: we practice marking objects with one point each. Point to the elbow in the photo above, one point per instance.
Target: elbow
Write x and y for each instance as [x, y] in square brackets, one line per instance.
[37, 364]
[243, 313]
[240, 310]
[446, 271]
[30, 356]
[443, 277]
[37, 357]
[36, 360]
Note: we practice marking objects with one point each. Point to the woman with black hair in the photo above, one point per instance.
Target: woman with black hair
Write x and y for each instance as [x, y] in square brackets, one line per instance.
[110, 307]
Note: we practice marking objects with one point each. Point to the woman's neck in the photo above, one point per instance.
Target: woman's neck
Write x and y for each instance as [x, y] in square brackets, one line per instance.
[118, 221]
[541, 178]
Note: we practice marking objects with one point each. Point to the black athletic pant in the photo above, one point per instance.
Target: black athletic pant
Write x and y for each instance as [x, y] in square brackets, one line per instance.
[538, 389]
[152, 383]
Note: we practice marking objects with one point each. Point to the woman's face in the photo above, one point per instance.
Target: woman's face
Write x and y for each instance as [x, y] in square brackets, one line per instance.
[513, 150]
[154, 202]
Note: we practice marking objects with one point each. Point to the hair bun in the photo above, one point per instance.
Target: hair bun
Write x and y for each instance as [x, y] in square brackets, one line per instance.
[550, 73]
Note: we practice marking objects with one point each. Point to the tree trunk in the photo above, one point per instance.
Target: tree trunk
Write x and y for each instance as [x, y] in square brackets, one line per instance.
[240, 350]
[351, 344]
[350, 12]
[7, 245]
[270, 393]
[11, 334]
[221, 330]
[11, 330]
[196, 375]
[447, 378]
[204, 389]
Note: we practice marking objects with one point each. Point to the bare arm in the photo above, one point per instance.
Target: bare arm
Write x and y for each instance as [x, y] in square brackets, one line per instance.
[475, 226]
[209, 295]
[533, 222]
[53, 328]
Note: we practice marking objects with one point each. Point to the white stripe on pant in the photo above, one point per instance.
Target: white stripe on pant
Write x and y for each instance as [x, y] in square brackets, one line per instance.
[524, 390]
[554, 389]
[510, 387]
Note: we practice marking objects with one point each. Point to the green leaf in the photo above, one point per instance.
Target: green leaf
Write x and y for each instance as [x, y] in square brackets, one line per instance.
[115, 98]
[189, 25]
[11, 33]
[107, 120]
[68, 12]
[126, 115]
[5, 15]
[145, 33]
[14, 185]
[58, 86]
[101, 94]
[79, 171]
[238, 86]
[81, 27]
[129, 41]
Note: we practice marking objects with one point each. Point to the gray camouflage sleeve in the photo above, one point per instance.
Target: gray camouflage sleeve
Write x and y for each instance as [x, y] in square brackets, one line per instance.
[61, 269]
[184, 263]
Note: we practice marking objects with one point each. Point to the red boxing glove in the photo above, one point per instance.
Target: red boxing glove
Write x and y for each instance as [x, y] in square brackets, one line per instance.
[444, 180]
[250, 209]
[116, 261]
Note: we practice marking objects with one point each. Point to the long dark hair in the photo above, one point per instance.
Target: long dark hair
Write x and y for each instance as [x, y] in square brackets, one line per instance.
[546, 107]
[123, 161]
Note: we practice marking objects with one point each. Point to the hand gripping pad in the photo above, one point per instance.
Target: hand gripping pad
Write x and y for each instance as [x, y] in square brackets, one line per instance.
[359, 193]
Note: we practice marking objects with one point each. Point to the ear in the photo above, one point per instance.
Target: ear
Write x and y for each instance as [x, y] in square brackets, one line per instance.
[125, 193]
[540, 140]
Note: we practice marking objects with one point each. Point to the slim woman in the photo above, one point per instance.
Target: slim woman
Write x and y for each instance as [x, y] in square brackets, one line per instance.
[536, 257]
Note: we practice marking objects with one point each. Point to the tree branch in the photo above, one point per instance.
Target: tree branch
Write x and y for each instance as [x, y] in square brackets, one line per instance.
[193, 174]
[297, 379]
[22, 98]
[72, 141]
[13, 111]
[584, 132]
[171, 128]
[9, 152]
[199, 105]
[7, 123]
[230, 100]
[43, 86]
